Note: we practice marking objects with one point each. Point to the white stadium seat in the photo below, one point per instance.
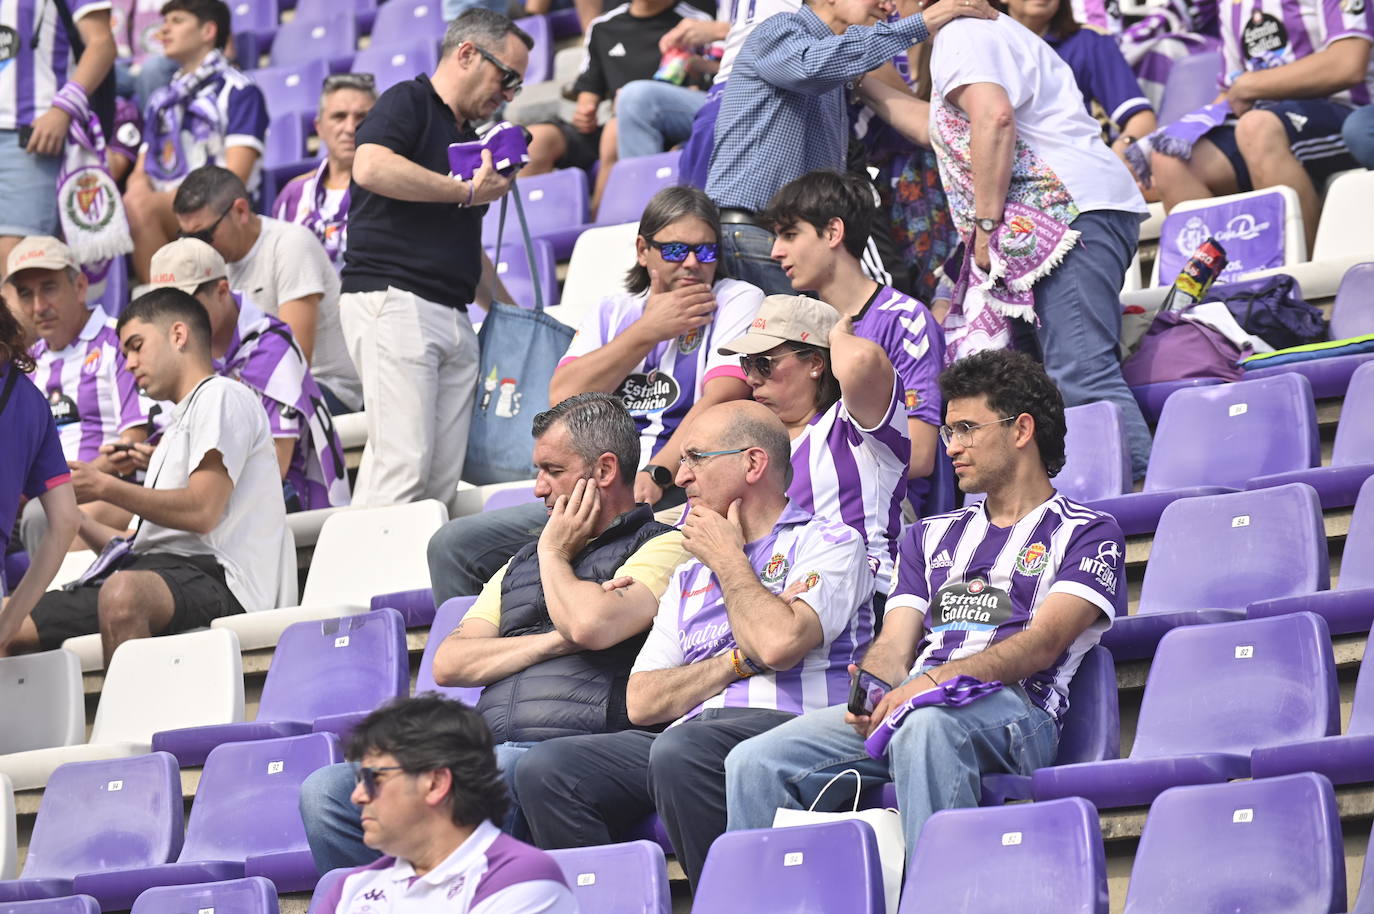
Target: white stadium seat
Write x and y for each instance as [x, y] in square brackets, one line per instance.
[42, 703]
[1226, 218]
[352, 429]
[9, 828]
[597, 270]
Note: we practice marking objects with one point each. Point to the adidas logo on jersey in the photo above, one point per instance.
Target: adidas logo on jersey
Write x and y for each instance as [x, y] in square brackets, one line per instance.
[942, 559]
[1297, 120]
[617, 51]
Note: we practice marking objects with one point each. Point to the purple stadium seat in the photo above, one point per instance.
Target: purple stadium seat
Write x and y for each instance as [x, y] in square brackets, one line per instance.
[325, 676]
[939, 498]
[513, 267]
[293, 89]
[510, 498]
[1349, 609]
[285, 141]
[998, 860]
[72, 904]
[253, 895]
[1352, 457]
[1262, 847]
[323, 888]
[1151, 397]
[332, 39]
[1364, 904]
[630, 878]
[401, 21]
[397, 63]
[1274, 545]
[830, 868]
[540, 68]
[1212, 439]
[253, 23]
[565, 23]
[1192, 83]
[555, 206]
[245, 821]
[1215, 692]
[1098, 460]
[101, 815]
[445, 621]
[415, 606]
[632, 183]
[16, 564]
[364, 11]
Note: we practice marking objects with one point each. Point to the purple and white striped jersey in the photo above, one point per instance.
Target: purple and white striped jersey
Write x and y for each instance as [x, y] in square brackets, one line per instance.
[825, 559]
[856, 475]
[1259, 34]
[31, 71]
[93, 397]
[660, 390]
[489, 873]
[977, 584]
[1103, 15]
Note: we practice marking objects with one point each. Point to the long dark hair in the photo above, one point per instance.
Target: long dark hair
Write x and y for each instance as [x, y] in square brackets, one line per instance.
[12, 348]
[663, 209]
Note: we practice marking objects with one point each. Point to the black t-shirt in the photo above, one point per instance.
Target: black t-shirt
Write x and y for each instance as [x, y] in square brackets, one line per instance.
[621, 48]
[431, 249]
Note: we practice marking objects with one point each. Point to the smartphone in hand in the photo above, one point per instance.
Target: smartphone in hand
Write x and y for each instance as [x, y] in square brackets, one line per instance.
[865, 691]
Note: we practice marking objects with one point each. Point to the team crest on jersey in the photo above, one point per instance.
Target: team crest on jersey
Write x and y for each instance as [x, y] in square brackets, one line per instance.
[1032, 559]
[812, 579]
[690, 341]
[775, 570]
[92, 363]
[90, 199]
[913, 399]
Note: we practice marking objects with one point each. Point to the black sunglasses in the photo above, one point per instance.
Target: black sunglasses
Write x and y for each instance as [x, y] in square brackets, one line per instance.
[762, 365]
[676, 251]
[511, 80]
[367, 776]
[206, 234]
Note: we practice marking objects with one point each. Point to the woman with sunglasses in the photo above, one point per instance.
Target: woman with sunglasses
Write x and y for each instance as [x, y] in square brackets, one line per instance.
[837, 395]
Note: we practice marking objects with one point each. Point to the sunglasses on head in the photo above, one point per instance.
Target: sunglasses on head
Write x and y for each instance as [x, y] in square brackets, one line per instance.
[511, 80]
[676, 251]
[762, 365]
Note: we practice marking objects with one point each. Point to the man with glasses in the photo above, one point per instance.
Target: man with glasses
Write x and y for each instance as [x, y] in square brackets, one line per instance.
[1016, 589]
[430, 796]
[758, 627]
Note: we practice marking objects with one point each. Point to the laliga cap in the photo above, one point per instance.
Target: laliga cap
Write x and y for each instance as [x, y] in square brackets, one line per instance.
[185, 264]
[40, 252]
[782, 319]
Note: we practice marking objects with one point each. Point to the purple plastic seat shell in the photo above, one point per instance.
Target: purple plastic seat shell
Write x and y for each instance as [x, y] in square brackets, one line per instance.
[1329, 377]
[633, 182]
[1152, 397]
[396, 63]
[292, 89]
[405, 20]
[446, 619]
[415, 606]
[251, 895]
[324, 887]
[300, 41]
[555, 208]
[1190, 84]
[513, 267]
[70, 904]
[1097, 458]
[628, 878]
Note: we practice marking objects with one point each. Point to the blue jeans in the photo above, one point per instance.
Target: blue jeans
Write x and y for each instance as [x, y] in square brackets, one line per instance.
[653, 115]
[1358, 134]
[748, 255]
[335, 830]
[465, 552]
[935, 759]
[28, 185]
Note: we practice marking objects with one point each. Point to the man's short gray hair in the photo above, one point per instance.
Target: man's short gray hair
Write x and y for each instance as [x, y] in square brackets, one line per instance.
[482, 27]
[597, 423]
[747, 430]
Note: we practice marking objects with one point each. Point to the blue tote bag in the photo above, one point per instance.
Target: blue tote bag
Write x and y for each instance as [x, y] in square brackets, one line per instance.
[520, 349]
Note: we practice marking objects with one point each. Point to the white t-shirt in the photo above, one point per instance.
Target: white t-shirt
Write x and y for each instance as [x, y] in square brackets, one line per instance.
[744, 15]
[286, 263]
[225, 416]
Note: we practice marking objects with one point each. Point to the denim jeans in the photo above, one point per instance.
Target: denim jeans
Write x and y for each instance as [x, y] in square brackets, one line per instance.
[465, 552]
[653, 115]
[935, 759]
[747, 252]
[335, 830]
[1358, 134]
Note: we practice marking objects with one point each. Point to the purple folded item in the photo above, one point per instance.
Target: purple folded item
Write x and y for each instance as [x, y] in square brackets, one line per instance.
[1177, 139]
[953, 693]
[509, 151]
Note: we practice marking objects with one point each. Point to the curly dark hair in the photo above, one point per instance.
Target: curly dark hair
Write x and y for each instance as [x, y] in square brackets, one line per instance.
[429, 732]
[1013, 383]
[12, 349]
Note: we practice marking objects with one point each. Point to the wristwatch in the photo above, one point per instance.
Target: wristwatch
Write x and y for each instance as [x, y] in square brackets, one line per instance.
[988, 225]
[662, 476]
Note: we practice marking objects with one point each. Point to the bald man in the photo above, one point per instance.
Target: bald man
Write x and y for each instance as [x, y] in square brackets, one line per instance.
[758, 627]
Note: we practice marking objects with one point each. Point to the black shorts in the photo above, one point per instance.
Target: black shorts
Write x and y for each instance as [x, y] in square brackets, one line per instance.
[199, 595]
[584, 149]
[1313, 126]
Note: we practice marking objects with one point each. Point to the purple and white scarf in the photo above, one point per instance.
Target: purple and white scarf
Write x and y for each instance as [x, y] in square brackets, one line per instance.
[88, 200]
[176, 110]
[303, 203]
[1176, 140]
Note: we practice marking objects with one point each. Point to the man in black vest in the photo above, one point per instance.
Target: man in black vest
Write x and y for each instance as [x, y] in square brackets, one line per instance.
[549, 637]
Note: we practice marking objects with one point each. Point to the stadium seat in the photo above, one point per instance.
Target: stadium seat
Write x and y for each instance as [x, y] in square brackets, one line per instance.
[400, 21]
[293, 89]
[1270, 220]
[303, 41]
[1211, 440]
[72, 904]
[513, 268]
[475, 499]
[364, 11]
[1097, 459]
[251, 895]
[1262, 847]
[828, 868]
[997, 860]
[42, 701]
[1341, 231]
[510, 498]
[101, 815]
[445, 621]
[352, 429]
[397, 63]
[632, 183]
[325, 677]
[254, 24]
[285, 141]
[555, 208]
[939, 498]
[630, 878]
[1191, 83]
[245, 821]
[152, 684]
[1274, 544]
[540, 68]
[600, 260]
[360, 552]
[9, 831]
[1151, 397]
[415, 606]
[1349, 609]
[323, 888]
[1214, 693]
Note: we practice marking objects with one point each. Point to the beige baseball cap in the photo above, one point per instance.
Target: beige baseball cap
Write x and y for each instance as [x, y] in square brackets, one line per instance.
[184, 264]
[40, 252]
[786, 318]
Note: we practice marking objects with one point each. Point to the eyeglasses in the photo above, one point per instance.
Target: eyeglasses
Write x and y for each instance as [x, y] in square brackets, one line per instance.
[676, 251]
[963, 431]
[363, 82]
[762, 365]
[511, 80]
[366, 775]
[206, 234]
[691, 458]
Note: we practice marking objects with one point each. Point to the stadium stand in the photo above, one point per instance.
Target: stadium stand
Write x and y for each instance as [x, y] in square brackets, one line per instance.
[513, 268]
[446, 619]
[629, 878]
[555, 207]
[251, 895]
[41, 701]
[9, 839]
[394, 63]
[632, 183]
[1097, 461]
[1272, 228]
[72, 904]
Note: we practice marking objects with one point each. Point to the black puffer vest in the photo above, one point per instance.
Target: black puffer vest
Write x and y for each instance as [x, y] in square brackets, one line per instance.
[582, 692]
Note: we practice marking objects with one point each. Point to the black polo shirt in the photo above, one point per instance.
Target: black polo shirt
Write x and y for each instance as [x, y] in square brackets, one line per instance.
[431, 249]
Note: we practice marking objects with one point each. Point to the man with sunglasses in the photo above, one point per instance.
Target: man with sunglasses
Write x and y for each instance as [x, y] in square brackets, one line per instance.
[414, 259]
[1014, 589]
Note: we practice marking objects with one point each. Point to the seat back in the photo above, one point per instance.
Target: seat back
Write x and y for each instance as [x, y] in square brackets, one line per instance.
[1353, 312]
[366, 551]
[629, 878]
[446, 619]
[1271, 846]
[1357, 559]
[302, 40]
[107, 815]
[596, 271]
[1097, 458]
[252, 895]
[1224, 435]
[1341, 230]
[363, 10]
[336, 666]
[288, 580]
[828, 868]
[1260, 229]
[1191, 83]
[323, 888]
[262, 778]
[253, 16]
[1362, 708]
[170, 682]
[1355, 433]
[513, 267]
[633, 182]
[9, 830]
[397, 63]
[1092, 727]
[285, 140]
[71, 904]
[959, 848]
[293, 89]
[42, 701]
[399, 21]
[1236, 686]
[556, 200]
[1273, 541]
[510, 497]
[540, 68]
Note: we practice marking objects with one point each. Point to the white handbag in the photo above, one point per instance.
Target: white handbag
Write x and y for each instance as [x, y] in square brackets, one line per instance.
[886, 824]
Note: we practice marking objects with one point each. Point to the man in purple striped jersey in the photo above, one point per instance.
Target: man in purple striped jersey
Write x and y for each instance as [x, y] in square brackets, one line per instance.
[1016, 589]
[758, 627]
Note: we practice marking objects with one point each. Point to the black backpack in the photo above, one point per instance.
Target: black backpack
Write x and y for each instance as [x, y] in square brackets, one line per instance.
[1273, 309]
